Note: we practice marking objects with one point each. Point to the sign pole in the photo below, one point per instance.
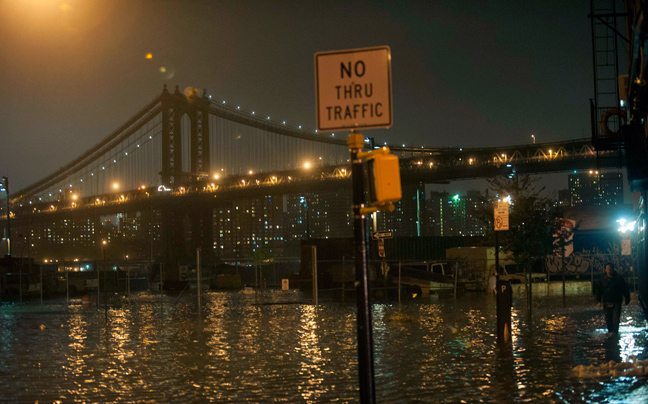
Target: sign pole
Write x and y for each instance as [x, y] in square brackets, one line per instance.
[363, 302]
[353, 92]
[503, 288]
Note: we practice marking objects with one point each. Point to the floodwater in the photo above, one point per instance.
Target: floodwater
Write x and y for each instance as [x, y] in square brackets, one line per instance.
[244, 349]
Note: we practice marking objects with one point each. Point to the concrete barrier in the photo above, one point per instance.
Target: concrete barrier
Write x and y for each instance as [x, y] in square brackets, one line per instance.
[554, 288]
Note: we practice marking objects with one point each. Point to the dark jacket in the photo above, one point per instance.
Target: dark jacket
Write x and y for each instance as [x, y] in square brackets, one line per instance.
[612, 289]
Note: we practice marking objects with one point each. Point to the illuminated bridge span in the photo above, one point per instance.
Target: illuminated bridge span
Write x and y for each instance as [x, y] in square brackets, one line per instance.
[185, 142]
[183, 155]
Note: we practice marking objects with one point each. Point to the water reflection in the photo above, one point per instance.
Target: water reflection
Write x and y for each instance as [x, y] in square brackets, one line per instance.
[251, 348]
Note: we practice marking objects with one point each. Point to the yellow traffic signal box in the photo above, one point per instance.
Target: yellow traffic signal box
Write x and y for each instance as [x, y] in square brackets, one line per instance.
[384, 177]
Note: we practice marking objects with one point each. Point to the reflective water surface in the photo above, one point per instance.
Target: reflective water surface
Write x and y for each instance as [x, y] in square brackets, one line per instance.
[248, 348]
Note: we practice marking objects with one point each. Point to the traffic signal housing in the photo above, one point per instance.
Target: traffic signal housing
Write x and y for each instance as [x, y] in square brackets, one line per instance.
[384, 178]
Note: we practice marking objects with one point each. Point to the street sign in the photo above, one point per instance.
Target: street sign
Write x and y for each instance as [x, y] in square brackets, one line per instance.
[353, 89]
[382, 234]
[626, 247]
[501, 216]
[381, 248]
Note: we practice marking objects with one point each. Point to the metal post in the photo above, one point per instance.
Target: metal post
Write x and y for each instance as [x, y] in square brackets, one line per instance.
[128, 279]
[98, 282]
[343, 275]
[399, 282]
[20, 277]
[455, 279]
[199, 287]
[562, 264]
[314, 272]
[363, 301]
[103, 250]
[5, 180]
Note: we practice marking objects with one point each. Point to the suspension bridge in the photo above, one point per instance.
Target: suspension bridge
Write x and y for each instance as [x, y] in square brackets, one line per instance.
[184, 155]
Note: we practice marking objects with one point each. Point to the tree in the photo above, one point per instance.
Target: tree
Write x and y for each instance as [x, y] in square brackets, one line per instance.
[534, 220]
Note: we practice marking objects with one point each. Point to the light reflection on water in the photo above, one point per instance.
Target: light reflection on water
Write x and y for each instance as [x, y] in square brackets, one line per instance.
[243, 349]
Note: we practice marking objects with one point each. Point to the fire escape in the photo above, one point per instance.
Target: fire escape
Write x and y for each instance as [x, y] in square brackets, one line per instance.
[608, 108]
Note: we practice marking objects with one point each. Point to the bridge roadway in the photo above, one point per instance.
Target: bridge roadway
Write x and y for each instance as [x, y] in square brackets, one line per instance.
[439, 165]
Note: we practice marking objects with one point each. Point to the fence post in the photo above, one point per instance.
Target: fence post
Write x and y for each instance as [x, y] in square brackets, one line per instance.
[314, 271]
[399, 281]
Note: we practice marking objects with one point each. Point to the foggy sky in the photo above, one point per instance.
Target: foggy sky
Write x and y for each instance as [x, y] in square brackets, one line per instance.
[465, 73]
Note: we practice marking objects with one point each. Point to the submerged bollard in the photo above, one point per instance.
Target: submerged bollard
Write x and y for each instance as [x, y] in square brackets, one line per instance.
[504, 302]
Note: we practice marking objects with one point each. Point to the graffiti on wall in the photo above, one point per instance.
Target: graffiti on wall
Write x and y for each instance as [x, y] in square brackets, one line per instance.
[586, 261]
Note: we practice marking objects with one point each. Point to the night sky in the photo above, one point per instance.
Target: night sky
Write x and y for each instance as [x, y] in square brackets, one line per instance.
[465, 73]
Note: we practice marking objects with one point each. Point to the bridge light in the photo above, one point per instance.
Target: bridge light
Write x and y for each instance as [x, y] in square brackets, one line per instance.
[74, 196]
[250, 172]
[591, 172]
[115, 185]
[306, 165]
[215, 176]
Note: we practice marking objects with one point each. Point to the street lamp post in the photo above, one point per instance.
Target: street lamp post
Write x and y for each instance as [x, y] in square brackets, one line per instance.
[103, 254]
[128, 278]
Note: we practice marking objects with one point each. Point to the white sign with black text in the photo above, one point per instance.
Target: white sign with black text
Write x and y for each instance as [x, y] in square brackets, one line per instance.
[501, 216]
[353, 89]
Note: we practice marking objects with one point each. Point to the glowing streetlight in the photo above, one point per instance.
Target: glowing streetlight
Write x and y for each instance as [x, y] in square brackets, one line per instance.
[306, 165]
[625, 225]
[533, 138]
[115, 185]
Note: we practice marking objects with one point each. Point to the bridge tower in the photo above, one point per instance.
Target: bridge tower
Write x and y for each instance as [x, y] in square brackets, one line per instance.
[174, 107]
[199, 217]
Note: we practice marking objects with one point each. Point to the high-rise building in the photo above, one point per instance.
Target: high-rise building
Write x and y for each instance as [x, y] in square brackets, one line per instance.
[409, 218]
[596, 189]
[454, 215]
[438, 213]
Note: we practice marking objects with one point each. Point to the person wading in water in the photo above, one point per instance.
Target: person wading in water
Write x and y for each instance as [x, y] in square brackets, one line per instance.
[611, 291]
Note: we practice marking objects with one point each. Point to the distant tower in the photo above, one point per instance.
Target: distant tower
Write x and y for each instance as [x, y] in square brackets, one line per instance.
[596, 189]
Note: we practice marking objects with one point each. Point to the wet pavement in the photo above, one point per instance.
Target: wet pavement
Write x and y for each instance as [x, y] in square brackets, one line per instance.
[272, 347]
